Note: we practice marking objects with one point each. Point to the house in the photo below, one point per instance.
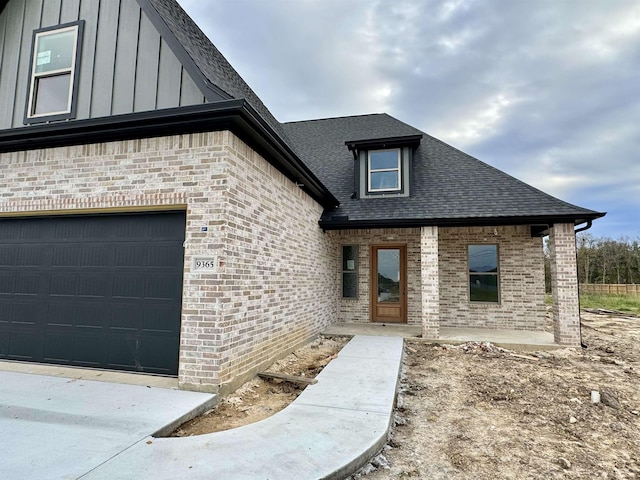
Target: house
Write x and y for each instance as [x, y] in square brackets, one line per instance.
[156, 218]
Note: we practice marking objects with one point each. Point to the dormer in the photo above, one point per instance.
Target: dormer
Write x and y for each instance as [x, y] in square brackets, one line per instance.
[382, 166]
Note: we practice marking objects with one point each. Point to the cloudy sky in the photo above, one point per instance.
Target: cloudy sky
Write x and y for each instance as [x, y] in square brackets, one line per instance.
[546, 90]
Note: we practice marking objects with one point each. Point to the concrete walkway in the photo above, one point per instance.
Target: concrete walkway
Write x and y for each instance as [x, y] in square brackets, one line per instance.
[61, 428]
[331, 430]
[512, 339]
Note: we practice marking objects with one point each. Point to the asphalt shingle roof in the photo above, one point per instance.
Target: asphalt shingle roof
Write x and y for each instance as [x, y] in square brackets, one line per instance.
[445, 183]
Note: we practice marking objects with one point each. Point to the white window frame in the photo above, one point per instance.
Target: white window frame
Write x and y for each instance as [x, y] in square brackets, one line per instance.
[398, 169]
[52, 73]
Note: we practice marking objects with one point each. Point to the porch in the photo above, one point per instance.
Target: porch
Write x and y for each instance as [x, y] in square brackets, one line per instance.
[423, 278]
[510, 339]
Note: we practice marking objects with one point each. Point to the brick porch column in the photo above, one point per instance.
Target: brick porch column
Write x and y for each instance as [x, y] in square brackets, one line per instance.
[430, 282]
[564, 284]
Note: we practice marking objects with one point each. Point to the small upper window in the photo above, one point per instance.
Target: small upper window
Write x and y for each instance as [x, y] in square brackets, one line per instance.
[54, 65]
[384, 170]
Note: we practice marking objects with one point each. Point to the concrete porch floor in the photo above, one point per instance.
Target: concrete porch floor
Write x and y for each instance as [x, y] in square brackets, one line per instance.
[511, 339]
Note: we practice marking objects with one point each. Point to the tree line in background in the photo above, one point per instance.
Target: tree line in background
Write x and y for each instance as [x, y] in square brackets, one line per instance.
[604, 260]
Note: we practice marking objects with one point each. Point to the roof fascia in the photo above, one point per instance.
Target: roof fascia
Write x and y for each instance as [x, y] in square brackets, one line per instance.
[405, 140]
[342, 223]
[234, 115]
[211, 92]
[299, 168]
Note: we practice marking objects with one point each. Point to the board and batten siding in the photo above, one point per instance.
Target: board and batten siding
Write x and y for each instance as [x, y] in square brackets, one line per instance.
[125, 67]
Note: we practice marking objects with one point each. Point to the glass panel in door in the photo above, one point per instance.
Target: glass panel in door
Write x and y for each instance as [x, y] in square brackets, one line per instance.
[389, 275]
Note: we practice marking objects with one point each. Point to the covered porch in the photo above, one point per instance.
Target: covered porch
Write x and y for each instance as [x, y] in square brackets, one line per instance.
[436, 284]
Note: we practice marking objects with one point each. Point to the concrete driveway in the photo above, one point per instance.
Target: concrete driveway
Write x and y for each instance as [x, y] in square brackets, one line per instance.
[62, 428]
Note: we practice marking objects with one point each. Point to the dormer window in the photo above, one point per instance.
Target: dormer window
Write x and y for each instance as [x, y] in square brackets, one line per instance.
[54, 65]
[382, 166]
[384, 170]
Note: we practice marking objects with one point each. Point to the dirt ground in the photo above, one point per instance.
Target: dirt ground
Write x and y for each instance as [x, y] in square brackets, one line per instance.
[476, 411]
[258, 398]
[479, 412]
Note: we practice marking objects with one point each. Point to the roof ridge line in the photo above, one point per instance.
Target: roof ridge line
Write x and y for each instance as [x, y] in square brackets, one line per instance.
[337, 117]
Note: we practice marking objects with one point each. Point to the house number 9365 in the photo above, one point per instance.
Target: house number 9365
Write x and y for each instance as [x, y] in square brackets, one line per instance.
[204, 264]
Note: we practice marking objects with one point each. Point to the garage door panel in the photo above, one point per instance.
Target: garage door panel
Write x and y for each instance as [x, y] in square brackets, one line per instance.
[24, 345]
[7, 256]
[162, 287]
[95, 315]
[163, 256]
[57, 347]
[127, 317]
[60, 314]
[160, 352]
[96, 286]
[157, 319]
[95, 228]
[28, 232]
[98, 291]
[6, 311]
[7, 284]
[89, 350]
[69, 228]
[130, 255]
[65, 256]
[30, 256]
[5, 337]
[121, 352]
[27, 285]
[132, 227]
[22, 313]
[63, 285]
[128, 286]
[96, 255]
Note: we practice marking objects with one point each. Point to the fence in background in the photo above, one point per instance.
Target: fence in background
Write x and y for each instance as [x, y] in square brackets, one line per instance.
[610, 288]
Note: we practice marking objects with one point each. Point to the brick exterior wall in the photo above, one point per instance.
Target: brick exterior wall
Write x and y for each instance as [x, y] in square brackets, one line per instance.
[274, 286]
[445, 302]
[279, 272]
[521, 279]
[358, 310]
[564, 284]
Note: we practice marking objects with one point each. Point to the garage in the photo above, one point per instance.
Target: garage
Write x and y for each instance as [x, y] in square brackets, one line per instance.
[100, 291]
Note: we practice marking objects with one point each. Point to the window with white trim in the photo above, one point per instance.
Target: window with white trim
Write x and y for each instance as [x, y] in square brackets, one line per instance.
[54, 65]
[384, 170]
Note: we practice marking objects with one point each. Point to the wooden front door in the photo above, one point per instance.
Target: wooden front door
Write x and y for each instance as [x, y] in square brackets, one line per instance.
[389, 283]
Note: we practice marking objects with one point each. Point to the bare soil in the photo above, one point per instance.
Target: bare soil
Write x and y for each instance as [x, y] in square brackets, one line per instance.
[476, 411]
[258, 398]
[480, 412]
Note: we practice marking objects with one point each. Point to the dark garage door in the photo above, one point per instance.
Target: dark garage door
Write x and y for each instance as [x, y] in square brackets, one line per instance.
[93, 291]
